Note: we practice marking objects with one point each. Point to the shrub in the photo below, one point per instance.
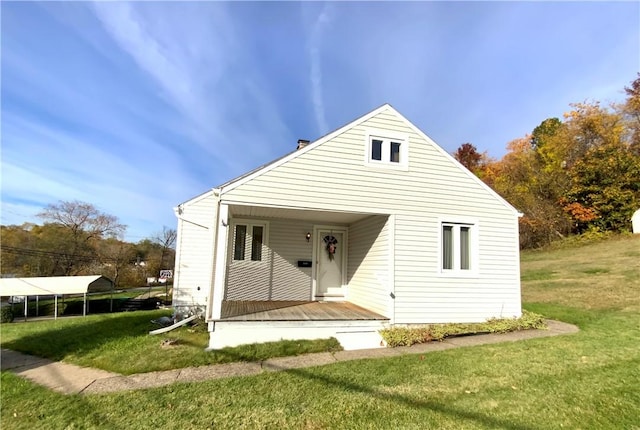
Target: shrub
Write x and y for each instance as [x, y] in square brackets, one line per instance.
[407, 336]
[6, 314]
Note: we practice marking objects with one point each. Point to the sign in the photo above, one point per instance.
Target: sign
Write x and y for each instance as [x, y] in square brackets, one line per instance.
[166, 274]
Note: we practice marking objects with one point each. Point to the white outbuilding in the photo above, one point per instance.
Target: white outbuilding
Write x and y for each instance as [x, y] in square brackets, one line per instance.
[635, 222]
[54, 286]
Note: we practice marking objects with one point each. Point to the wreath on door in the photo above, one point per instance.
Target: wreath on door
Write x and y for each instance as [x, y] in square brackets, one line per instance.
[330, 243]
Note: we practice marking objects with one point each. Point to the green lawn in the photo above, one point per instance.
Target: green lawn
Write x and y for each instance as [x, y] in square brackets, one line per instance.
[120, 343]
[587, 380]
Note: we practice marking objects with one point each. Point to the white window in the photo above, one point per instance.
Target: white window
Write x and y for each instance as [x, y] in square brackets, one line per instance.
[384, 150]
[249, 239]
[457, 250]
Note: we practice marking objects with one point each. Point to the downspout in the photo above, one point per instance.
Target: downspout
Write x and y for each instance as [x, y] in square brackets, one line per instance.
[391, 220]
[517, 253]
[178, 212]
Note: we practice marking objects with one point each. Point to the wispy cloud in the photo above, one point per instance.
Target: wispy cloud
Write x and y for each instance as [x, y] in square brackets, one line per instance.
[201, 71]
[165, 57]
[110, 180]
[315, 46]
[159, 105]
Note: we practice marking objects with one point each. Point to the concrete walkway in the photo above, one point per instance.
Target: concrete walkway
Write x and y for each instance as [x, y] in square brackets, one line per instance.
[72, 379]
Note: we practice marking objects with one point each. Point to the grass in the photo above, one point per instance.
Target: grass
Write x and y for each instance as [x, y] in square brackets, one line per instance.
[586, 380]
[601, 275]
[120, 343]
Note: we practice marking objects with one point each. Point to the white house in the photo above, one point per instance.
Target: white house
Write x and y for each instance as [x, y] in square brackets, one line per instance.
[369, 226]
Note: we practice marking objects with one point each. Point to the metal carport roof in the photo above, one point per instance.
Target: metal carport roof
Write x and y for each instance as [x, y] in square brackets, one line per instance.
[54, 286]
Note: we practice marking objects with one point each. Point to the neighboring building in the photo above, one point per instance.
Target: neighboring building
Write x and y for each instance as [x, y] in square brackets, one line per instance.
[371, 225]
[20, 289]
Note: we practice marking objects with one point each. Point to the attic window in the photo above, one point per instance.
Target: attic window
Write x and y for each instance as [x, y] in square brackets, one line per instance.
[387, 151]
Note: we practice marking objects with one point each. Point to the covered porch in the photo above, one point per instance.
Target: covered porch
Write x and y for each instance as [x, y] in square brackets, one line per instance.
[285, 273]
[267, 254]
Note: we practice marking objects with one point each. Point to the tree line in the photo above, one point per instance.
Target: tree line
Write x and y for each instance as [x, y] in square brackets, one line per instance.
[575, 175]
[78, 239]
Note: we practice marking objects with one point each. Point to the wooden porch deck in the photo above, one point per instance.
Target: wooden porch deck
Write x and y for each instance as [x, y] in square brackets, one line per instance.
[295, 311]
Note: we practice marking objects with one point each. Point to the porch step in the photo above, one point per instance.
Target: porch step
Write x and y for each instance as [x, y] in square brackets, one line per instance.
[352, 334]
[360, 340]
[330, 297]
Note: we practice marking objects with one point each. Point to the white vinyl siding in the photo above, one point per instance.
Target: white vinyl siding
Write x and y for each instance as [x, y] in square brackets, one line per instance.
[433, 188]
[277, 276]
[423, 295]
[368, 270]
[194, 251]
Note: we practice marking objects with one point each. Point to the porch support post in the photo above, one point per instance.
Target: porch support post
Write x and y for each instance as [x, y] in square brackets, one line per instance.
[392, 268]
[221, 261]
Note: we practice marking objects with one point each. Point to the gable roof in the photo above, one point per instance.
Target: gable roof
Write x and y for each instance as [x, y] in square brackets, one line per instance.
[235, 182]
[194, 199]
[238, 181]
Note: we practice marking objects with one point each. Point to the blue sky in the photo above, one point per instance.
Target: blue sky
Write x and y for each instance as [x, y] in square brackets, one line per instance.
[137, 107]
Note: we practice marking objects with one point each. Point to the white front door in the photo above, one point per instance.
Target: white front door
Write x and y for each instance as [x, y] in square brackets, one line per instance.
[330, 262]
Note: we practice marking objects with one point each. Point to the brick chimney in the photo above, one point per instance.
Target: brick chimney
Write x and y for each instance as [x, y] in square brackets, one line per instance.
[302, 143]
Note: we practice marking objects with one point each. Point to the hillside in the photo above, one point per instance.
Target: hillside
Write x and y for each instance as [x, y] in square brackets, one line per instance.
[599, 275]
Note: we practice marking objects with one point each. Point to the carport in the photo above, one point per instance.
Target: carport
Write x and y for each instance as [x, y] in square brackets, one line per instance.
[54, 286]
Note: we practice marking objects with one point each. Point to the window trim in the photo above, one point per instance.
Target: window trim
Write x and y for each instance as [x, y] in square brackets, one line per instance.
[387, 137]
[457, 223]
[248, 240]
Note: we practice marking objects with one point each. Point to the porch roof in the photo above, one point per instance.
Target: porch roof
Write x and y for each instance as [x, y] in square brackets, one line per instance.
[305, 214]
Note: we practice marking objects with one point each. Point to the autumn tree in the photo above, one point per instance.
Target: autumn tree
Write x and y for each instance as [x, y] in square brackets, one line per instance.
[600, 166]
[17, 251]
[115, 259]
[571, 174]
[545, 132]
[468, 155]
[631, 112]
[519, 178]
[58, 251]
[81, 225]
[38, 250]
[605, 188]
